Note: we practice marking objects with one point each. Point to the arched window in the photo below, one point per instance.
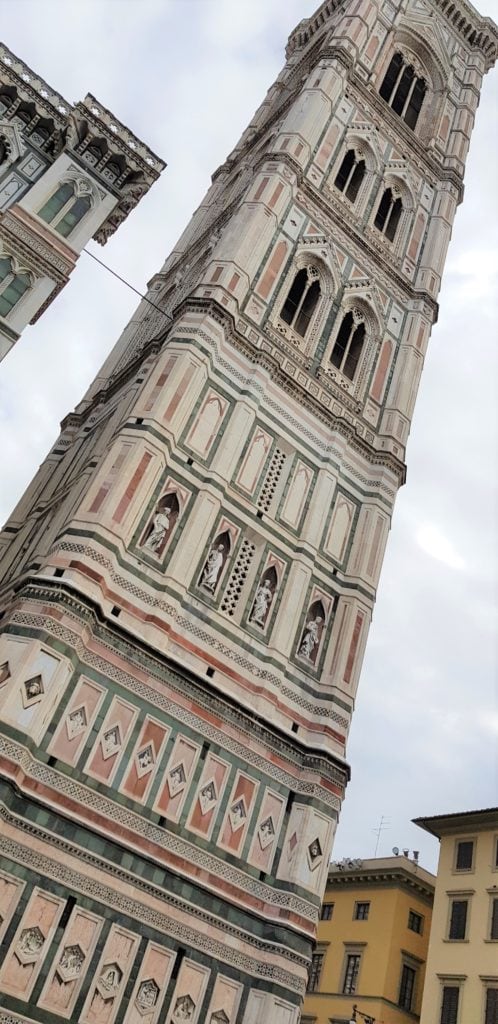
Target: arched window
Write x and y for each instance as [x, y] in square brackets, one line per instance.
[349, 344]
[350, 175]
[54, 205]
[301, 301]
[64, 210]
[388, 214]
[403, 89]
[73, 216]
[12, 286]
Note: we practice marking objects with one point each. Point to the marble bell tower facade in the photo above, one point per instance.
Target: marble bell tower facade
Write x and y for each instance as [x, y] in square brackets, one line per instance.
[188, 582]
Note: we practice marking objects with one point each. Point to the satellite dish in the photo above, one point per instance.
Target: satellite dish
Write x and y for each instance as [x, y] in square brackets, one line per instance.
[396, 851]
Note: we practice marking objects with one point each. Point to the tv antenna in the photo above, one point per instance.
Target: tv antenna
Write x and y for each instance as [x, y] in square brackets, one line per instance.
[384, 824]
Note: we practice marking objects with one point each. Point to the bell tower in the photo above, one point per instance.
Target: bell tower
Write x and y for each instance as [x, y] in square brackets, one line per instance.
[187, 584]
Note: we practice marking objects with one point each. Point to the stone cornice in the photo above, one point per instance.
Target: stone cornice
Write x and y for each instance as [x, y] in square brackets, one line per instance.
[470, 27]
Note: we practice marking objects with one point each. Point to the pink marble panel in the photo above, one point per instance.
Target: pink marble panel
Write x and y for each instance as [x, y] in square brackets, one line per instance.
[267, 831]
[75, 726]
[237, 817]
[71, 963]
[111, 741]
[177, 778]
[10, 892]
[30, 945]
[208, 796]
[151, 985]
[145, 759]
[108, 985]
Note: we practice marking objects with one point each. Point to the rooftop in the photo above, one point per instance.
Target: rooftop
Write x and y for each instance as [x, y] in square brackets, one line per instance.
[461, 821]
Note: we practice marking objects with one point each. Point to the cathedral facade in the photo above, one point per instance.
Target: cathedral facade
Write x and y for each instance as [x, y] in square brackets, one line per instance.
[188, 582]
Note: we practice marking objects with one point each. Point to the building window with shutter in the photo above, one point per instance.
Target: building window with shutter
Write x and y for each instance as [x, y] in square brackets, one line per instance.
[415, 922]
[315, 972]
[407, 987]
[458, 919]
[449, 1004]
[493, 931]
[326, 911]
[464, 855]
[351, 972]
[491, 1014]
[361, 911]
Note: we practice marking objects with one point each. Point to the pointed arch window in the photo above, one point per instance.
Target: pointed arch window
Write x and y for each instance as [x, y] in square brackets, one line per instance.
[388, 214]
[12, 286]
[349, 343]
[64, 210]
[301, 301]
[403, 89]
[350, 175]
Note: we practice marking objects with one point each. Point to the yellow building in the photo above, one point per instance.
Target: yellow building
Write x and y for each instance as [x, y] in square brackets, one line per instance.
[372, 943]
[462, 964]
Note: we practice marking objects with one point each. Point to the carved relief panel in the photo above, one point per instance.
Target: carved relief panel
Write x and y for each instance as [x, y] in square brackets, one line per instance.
[77, 721]
[151, 984]
[224, 1001]
[111, 741]
[109, 982]
[71, 963]
[145, 759]
[30, 944]
[188, 996]
[236, 821]
[267, 831]
[10, 892]
[30, 702]
[208, 796]
[177, 778]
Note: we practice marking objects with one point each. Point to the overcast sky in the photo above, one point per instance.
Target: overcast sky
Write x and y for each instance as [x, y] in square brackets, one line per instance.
[186, 76]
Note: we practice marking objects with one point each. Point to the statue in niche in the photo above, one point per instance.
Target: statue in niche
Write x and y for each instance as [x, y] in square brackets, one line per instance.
[159, 529]
[312, 633]
[263, 598]
[215, 562]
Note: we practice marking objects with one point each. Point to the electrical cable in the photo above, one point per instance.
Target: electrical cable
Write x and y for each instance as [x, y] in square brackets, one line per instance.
[127, 283]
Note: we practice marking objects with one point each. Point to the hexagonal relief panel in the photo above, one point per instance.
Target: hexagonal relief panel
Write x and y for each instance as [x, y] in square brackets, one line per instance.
[70, 963]
[109, 981]
[184, 1009]
[29, 945]
[147, 996]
